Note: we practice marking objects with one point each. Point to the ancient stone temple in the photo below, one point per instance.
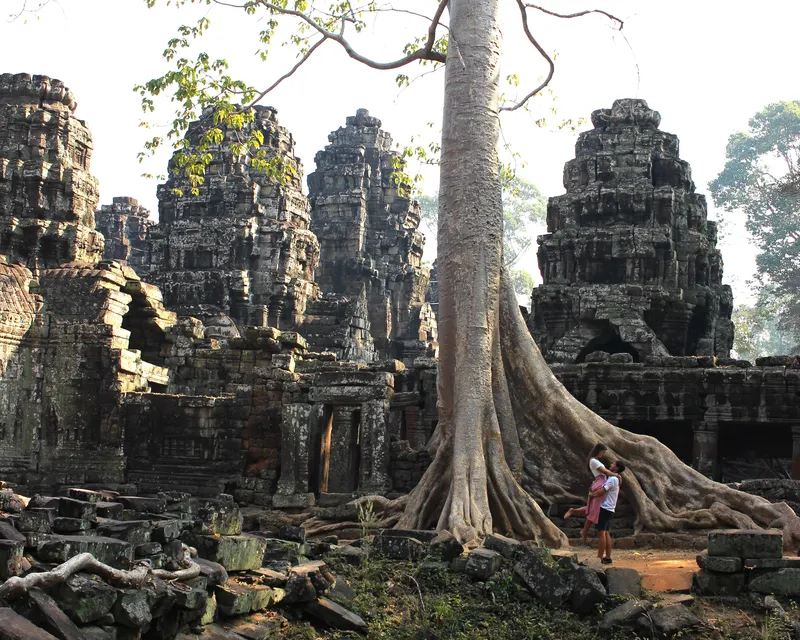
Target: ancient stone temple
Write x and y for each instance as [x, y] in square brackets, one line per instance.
[47, 195]
[633, 315]
[630, 263]
[73, 330]
[125, 226]
[239, 253]
[369, 237]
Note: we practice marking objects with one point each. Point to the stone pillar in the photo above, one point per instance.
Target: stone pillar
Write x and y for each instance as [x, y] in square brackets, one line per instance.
[374, 473]
[295, 442]
[796, 453]
[704, 453]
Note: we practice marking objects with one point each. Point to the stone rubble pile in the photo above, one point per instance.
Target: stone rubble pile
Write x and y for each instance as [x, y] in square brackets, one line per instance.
[240, 576]
[741, 561]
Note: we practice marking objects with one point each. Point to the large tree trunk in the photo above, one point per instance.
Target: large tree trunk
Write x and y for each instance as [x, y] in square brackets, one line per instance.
[503, 417]
[470, 487]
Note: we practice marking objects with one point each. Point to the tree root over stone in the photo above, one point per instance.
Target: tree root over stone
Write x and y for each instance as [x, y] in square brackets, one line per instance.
[135, 578]
[549, 432]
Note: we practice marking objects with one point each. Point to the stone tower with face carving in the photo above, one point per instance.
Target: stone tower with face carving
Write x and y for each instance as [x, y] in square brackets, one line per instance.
[47, 195]
[630, 263]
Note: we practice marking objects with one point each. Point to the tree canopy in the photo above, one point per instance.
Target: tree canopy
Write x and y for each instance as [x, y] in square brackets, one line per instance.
[761, 178]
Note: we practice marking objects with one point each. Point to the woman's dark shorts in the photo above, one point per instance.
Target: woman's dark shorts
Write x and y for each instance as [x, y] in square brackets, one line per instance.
[604, 521]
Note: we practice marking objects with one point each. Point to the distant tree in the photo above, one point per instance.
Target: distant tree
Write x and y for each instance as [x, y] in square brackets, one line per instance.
[761, 178]
[765, 328]
[523, 206]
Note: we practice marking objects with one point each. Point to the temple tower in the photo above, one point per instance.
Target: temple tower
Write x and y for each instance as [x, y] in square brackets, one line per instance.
[47, 195]
[368, 233]
[630, 263]
[240, 252]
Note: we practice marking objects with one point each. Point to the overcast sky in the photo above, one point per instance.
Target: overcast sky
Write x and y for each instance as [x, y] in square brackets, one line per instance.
[707, 66]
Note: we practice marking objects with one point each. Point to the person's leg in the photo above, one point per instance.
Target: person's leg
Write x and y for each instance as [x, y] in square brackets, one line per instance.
[601, 544]
[580, 511]
[609, 545]
[585, 531]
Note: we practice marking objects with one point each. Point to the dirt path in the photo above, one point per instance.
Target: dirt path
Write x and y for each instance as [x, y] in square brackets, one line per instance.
[662, 570]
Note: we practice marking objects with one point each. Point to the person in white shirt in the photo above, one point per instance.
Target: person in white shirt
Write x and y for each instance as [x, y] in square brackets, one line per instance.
[600, 474]
[610, 493]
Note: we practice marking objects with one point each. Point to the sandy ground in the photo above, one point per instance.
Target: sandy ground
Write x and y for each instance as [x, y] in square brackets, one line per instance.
[662, 570]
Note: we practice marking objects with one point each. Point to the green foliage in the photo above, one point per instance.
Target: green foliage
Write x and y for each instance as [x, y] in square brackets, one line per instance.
[761, 178]
[766, 327]
[523, 282]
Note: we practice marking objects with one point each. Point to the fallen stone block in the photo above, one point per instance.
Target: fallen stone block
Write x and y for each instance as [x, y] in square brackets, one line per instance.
[720, 564]
[210, 632]
[143, 504]
[110, 551]
[624, 615]
[70, 508]
[506, 547]
[259, 626]
[14, 627]
[446, 546]
[784, 582]
[236, 553]
[482, 563]
[10, 558]
[85, 494]
[399, 548]
[36, 520]
[707, 583]
[132, 609]
[10, 532]
[292, 533]
[623, 582]
[335, 615]
[147, 549]
[109, 510]
[70, 526]
[216, 517]
[85, 598]
[235, 599]
[745, 543]
[787, 562]
[667, 621]
[587, 591]
[51, 618]
[277, 550]
[299, 588]
[166, 531]
[540, 574]
[134, 531]
[350, 554]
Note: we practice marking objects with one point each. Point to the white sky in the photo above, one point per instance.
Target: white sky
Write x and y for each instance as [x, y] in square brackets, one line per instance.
[707, 66]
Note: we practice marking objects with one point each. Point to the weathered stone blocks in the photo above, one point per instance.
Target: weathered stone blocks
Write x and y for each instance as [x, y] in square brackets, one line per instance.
[745, 543]
[235, 553]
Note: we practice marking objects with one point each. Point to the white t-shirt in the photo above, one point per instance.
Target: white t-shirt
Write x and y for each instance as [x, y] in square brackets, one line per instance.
[594, 465]
[612, 493]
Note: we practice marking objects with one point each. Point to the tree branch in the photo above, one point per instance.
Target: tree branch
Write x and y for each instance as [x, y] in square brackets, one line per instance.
[286, 75]
[523, 7]
[578, 15]
[426, 53]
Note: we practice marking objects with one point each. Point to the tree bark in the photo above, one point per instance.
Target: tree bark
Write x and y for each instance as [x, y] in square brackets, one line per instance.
[503, 416]
[470, 486]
